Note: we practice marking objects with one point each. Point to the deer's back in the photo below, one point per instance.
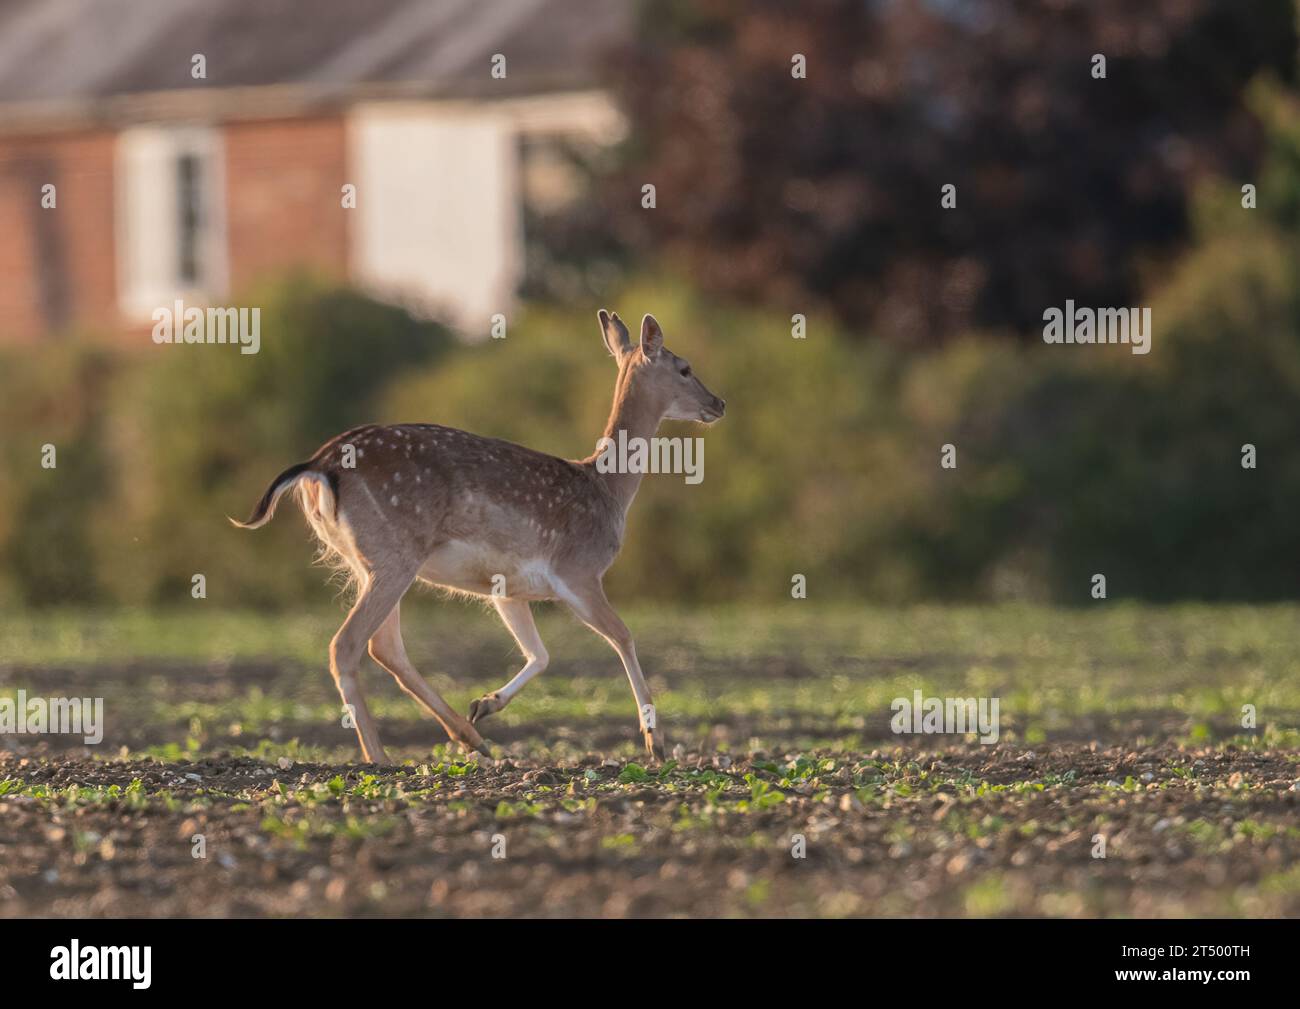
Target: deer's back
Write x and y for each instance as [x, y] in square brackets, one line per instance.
[484, 505]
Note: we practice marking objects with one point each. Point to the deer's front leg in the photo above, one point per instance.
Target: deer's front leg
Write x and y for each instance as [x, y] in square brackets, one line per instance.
[518, 618]
[593, 609]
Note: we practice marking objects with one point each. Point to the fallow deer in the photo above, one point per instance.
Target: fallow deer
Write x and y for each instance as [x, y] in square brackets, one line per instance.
[487, 518]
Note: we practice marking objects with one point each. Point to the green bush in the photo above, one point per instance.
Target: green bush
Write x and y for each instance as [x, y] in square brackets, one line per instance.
[55, 398]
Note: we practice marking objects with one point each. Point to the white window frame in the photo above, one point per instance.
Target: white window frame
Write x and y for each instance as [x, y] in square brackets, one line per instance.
[147, 218]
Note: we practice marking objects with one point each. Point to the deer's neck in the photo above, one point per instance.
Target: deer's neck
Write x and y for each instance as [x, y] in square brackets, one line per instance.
[631, 417]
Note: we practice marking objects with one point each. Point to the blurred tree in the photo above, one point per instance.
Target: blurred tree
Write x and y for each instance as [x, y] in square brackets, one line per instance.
[827, 189]
[1176, 473]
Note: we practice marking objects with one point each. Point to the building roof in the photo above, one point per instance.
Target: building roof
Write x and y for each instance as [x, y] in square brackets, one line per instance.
[77, 59]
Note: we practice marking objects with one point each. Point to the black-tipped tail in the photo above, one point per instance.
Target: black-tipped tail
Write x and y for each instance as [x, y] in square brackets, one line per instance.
[266, 507]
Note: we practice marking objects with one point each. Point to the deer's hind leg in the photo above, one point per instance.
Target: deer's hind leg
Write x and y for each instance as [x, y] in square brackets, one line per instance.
[380, 591]
[587, 599]
[518, 618]
[388, 649]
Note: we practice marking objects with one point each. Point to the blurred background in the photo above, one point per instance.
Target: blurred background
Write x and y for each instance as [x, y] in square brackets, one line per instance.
[384, 179]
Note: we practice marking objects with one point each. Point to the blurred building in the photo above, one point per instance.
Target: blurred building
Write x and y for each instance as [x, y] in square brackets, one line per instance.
[196, 147]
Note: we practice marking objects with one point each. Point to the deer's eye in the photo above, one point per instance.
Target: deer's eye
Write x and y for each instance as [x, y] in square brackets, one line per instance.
[686, 372]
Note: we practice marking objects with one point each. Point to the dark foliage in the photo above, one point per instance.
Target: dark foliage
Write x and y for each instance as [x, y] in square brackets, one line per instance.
[825, 191]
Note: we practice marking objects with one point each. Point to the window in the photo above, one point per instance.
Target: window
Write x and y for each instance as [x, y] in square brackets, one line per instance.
[189, 213]
[170, 218]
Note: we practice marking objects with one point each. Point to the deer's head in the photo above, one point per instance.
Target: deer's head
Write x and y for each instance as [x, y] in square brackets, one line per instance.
[653, 373]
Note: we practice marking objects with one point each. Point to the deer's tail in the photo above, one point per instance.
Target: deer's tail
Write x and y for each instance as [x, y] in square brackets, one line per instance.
[266, 507]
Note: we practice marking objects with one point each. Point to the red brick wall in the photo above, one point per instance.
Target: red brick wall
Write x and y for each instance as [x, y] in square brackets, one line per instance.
[56, 266]
[283, 187]
[283, 182]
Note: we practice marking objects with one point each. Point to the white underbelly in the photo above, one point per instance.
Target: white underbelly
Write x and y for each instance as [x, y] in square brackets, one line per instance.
[476, 567]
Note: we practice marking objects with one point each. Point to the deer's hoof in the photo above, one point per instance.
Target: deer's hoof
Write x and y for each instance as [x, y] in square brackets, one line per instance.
[471, 742]
[486, 705]
[654, 746]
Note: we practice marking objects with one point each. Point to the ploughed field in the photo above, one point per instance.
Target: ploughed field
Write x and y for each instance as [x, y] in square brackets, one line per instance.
[1122, 782]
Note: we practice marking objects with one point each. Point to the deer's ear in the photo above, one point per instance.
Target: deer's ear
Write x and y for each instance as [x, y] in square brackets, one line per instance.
[614, 333]
[652, 337]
